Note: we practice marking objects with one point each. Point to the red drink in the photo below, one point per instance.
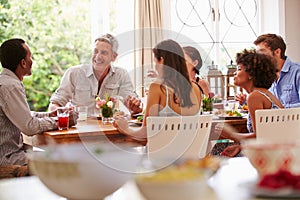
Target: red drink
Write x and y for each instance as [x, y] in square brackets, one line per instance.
[63, 122]
[63, 118]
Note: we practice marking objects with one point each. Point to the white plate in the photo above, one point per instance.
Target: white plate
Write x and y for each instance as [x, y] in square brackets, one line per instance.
[135, 122]
[285, 192]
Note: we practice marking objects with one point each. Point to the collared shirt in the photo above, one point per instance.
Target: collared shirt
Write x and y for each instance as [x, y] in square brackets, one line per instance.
[16, 117]
[80, 85]
[287, 87]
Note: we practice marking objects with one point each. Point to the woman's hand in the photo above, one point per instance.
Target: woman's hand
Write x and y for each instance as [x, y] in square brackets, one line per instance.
[231, 151]
[152, 74]
[121, 124]
[227, 132]
[241, 98]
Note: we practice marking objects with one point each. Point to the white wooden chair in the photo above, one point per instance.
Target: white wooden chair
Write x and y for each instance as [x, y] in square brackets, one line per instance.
[178, 137]
[278, 124]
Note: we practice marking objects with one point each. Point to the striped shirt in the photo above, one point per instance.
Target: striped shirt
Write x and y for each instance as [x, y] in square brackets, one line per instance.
[16, 117]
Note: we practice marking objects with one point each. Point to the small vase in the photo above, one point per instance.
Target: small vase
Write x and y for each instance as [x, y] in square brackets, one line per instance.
[107, 120]
[208, 106]
[107, 115]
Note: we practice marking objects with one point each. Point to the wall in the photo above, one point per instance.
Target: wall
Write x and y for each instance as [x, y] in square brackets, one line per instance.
[282, 17]
[292, 29]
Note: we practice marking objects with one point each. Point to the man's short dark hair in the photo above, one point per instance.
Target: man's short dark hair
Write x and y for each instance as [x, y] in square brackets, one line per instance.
[273, 41]
[12, 52]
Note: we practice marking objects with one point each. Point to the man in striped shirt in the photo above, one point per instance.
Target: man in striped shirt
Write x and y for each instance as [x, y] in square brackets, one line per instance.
[15, 114]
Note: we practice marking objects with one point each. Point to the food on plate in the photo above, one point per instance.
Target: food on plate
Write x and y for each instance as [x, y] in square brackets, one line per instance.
[174, 173]
[187, 170]
[209, 162]
[280, 179]
[245, 107]
[233, 113]
[140, 118]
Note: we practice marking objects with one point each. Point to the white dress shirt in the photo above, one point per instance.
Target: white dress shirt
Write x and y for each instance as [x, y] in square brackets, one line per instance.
[80, 86]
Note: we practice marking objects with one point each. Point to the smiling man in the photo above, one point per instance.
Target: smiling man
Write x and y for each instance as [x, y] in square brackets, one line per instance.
[82, 83]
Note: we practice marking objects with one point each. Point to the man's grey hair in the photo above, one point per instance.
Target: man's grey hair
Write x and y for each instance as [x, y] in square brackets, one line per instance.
[109, 39]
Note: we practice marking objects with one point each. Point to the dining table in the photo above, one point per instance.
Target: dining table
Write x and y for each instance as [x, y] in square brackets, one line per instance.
[94, 130]
[235, 180]
[89, 130]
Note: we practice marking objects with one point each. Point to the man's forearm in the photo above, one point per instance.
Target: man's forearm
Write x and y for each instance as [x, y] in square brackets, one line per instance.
[53, 106]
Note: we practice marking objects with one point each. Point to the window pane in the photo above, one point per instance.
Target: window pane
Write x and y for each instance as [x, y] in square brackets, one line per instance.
[220, 27]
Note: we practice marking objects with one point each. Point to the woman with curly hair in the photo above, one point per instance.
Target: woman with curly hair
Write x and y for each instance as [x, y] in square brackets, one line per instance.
[255, 73]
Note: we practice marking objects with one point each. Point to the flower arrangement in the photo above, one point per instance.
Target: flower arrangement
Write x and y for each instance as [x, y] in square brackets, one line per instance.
[207, 102]
[106, 105]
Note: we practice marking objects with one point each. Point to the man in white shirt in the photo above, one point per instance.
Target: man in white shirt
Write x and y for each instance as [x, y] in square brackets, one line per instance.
[81, 84]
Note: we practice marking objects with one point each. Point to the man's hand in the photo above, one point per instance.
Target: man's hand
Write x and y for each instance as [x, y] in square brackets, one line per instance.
[134, 105]
[73, 116]
[152, 73]
[53, 106]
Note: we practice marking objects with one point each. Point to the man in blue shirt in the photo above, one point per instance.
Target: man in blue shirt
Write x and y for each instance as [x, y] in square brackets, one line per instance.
[287, 86]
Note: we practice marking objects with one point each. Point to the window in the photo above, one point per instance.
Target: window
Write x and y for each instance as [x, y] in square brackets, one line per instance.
[117, 17]
[220, 28]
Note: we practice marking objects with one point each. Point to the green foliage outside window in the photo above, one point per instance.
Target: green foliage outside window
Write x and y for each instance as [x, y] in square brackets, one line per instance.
[58, 33]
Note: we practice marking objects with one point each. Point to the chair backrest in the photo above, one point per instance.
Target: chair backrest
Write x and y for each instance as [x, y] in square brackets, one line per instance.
[278, 124]
[178, 137]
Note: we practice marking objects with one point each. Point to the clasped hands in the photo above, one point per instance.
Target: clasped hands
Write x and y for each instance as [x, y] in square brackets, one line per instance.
[134, 105]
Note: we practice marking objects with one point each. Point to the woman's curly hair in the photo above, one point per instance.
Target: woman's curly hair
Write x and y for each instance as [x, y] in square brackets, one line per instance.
[260, 67]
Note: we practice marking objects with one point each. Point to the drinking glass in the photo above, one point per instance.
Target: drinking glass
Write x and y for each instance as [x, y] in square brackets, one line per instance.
[231, 105]
[82, 111]
[63, 118]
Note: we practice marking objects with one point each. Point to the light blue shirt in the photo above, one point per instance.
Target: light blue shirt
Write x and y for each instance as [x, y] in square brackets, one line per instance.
[287, 87]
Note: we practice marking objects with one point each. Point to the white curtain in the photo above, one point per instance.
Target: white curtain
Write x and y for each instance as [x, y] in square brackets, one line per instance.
[149, 15]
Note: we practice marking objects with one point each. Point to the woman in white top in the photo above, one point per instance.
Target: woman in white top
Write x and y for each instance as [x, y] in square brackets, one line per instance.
[171, 94]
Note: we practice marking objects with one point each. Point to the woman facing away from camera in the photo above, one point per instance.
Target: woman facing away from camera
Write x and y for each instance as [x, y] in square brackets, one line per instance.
[171, 94]
[194, 64]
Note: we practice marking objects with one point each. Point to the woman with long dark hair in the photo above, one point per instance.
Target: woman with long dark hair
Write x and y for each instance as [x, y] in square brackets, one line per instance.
[171, 94]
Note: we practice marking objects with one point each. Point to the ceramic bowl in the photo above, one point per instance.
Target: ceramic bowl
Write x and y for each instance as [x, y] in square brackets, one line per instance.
[269, 156]
[85, 171]
[178, 181]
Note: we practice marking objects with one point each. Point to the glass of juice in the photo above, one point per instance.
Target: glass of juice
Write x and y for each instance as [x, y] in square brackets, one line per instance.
[63, 118]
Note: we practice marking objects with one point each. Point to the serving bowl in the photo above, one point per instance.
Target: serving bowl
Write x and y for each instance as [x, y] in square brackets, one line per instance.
[187, 180]
[85, 171]
[270, 156]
